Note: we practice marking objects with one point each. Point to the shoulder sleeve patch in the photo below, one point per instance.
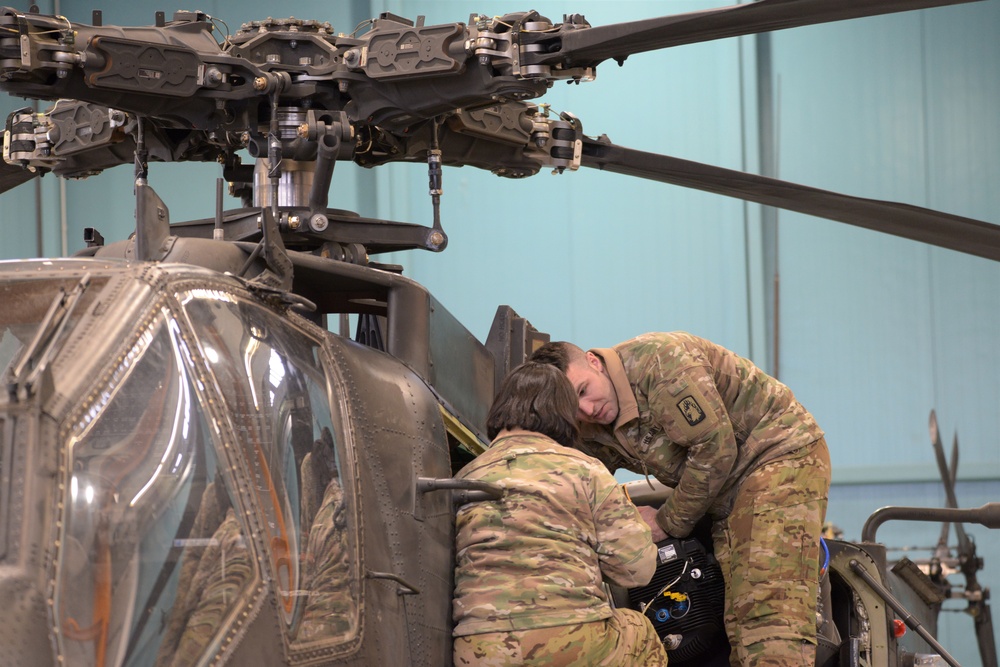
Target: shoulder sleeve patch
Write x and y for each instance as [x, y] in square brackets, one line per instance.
[692, 412]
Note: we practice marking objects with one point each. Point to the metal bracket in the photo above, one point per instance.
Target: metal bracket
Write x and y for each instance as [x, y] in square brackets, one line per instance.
[408, 588]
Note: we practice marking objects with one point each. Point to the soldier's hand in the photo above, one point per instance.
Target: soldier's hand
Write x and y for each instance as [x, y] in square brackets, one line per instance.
[648, 515]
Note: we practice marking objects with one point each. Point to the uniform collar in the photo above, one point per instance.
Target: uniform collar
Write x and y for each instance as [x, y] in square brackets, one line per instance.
[628, 409]
[514, 433]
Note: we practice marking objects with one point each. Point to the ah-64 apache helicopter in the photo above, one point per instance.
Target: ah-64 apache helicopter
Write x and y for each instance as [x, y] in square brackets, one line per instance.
[195, 470]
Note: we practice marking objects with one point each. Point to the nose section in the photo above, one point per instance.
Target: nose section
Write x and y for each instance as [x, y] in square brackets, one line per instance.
[585, 412]
[24, 620]
[25, 541]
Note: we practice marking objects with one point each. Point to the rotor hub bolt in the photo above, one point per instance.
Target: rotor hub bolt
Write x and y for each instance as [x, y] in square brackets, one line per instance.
[213, 76]
[319, 222]
[303, 131]
[436, 238]
[260, 83]
[352, 58]
[294, 222]
[696, 573]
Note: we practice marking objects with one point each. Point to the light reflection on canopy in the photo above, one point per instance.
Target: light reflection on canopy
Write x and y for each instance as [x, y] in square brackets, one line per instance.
[182, 415]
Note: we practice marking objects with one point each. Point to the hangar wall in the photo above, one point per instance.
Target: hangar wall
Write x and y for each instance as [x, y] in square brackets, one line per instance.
[870, 331]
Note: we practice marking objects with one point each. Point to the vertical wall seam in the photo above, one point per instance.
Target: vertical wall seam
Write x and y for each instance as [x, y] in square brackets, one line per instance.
[767, 147]
[747, 252]
[929, 252]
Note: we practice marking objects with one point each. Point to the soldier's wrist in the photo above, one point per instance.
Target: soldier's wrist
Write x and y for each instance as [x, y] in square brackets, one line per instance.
[664, 522]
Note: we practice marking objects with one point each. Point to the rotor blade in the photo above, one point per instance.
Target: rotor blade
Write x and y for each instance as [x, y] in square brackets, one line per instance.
[946, 477]
[12, 176]
[985, 636]
[911, 222]
[590, 46]
[963, 539]
[953, 464]
[978, 608]
[942, 545]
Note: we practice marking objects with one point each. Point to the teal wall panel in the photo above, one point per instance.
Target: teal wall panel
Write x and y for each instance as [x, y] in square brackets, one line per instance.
[877, 331]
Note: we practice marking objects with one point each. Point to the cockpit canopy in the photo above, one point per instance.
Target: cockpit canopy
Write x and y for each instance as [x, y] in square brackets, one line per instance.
[160, 545]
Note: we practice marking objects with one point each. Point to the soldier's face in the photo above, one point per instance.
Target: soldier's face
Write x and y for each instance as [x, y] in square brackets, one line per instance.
[598, 400]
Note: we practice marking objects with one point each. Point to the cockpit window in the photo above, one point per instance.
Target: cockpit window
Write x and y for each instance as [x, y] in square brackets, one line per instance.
[154, 564]
[26, 304]
[278, 397]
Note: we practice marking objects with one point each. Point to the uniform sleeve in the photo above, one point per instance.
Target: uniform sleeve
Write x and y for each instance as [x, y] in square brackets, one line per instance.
[625, 548]
[692, 413]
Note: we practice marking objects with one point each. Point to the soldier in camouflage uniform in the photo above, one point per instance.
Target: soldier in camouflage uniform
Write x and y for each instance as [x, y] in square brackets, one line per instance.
[212, 580]
[735, 445]
[530, 566]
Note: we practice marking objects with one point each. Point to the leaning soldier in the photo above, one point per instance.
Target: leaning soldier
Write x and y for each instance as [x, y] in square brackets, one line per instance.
[530, 566]
[735, 445]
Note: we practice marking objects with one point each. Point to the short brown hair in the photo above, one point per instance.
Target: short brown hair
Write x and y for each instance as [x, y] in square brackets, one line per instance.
[536, 397]
[558, 353]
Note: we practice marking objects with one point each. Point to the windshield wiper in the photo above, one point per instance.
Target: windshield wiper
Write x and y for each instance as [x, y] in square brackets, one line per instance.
[40, 350]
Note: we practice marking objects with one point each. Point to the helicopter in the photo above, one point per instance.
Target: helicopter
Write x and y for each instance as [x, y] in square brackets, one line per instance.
[201, 531]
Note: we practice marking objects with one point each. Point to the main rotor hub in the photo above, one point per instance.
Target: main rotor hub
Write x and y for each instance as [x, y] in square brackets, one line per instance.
[309, 26]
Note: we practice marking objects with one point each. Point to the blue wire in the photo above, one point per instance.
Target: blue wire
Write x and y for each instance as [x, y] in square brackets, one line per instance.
[826, 556]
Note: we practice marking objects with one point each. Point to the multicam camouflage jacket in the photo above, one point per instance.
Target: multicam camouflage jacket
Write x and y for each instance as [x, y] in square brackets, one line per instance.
[696, 416]
[536, 557]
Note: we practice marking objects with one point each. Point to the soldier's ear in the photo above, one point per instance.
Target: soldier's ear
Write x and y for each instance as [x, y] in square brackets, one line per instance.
[595, 362]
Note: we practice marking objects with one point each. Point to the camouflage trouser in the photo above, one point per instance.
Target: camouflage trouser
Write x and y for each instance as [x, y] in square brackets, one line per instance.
[769, 548]
[627, 638]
